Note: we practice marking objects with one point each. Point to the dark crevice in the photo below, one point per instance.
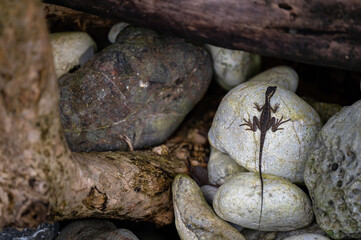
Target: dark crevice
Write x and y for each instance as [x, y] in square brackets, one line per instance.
[285, 6]
[306, 32]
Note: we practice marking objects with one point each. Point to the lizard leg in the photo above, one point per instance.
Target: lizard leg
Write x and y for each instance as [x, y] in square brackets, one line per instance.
[258, 107]
[275, 107]
[276, 123]
[252, 126]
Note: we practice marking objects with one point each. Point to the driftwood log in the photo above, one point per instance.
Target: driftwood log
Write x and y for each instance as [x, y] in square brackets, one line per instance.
[318, 32]
[40, 179]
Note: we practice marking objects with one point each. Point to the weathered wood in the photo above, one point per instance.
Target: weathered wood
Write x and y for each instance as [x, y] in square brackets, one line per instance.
[40, 179]
[321, 32]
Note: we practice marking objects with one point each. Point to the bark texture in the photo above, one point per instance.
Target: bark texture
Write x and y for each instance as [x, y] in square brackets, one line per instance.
[313, 31]
[40, 179]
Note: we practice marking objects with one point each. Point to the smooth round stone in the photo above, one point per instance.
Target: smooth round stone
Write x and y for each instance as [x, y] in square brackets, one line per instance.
[71, 49]
[311, 229]
[281, 76]
[96, 229]
[333, 174]
[285, 206]
[221, 167]
[194, 218]
[232, 67]
[209, 192]
[115, 30]
[307, 236]
[285, 151]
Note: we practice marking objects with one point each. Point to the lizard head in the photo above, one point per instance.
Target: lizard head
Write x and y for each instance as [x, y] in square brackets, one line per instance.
[270, 91]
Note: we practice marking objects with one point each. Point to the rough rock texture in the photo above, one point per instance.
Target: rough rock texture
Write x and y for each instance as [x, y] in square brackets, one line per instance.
[140, 88]
[42, 232]
[40, 178]
[96, 229]
[285, 206]
[285, 152]
[194, 218]
[333, 174]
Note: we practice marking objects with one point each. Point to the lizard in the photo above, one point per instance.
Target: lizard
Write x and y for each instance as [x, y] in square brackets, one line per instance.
[264, 123]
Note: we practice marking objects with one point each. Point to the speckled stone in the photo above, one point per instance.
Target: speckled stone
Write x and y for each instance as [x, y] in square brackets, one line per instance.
[285, 151]
[134, 92]
[285, 206]
[71, 49]
[221, 167]
[281, 76]
[232, 67]
[333, 174]
[194, 218]
[307, 236]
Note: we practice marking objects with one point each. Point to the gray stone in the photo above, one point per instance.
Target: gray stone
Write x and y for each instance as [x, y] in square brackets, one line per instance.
[71, 49]
[311, 229]
[115, 30]
[194, 218]
[281, 76]
[285, 206]
[135, 92]
[208, 193]
[221, 167]
[333, 174]
[232, 67]
[285, 152]
[43, 231]
[307, 236]
[251, 234]
[96, 229]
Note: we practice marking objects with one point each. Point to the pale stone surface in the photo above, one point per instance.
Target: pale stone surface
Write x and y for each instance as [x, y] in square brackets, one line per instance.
[307, 236]
[232, 67]
[285, 151]
[251, 234]
[71, 49]
[221, 167]
[194, 218]
[115, 30]
[281, 76]
[285, 206]
[333, 174]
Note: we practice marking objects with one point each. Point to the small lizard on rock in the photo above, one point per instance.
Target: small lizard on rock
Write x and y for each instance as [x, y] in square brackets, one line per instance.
[265, 123]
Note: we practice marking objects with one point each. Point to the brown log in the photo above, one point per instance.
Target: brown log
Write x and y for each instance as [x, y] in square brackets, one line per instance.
[320, 32]
[40, 179]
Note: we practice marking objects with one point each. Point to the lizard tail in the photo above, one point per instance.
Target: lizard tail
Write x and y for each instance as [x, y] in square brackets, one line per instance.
[260, 176]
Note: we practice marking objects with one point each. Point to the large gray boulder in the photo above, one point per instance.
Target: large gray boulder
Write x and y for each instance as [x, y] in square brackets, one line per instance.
[333, 174]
